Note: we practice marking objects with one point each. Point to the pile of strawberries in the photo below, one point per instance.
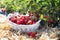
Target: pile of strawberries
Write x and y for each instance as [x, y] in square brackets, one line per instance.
[24, 20]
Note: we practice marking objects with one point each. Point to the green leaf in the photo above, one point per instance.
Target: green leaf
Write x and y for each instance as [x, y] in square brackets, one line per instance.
[37, 1]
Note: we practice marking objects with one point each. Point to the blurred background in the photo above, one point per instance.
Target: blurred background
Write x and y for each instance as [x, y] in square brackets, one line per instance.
[51, 8]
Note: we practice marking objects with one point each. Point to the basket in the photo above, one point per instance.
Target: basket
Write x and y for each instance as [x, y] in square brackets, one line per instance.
[24, 28]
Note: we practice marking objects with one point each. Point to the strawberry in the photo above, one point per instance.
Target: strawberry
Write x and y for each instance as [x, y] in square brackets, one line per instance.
[25, 21]
[46, 16]
[29, 33]
[13, 19]
[32, 34]
[17, 22]
[20, 21]
[22, 17]
[50, 21]
[30, 22]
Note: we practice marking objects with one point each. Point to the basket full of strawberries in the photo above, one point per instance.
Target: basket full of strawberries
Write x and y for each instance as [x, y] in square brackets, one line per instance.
[24, 23]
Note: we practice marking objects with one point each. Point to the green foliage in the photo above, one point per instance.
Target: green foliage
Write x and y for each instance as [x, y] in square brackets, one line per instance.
[36, 6]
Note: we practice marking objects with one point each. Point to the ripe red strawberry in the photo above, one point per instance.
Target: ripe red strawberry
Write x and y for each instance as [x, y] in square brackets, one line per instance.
[22, 17]
[21, 21]
[50, 21]
[13, 19]
[46, 16]
[29, 33]
[25, 21]
[32, 34]
[18, 22]
[30, 22]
